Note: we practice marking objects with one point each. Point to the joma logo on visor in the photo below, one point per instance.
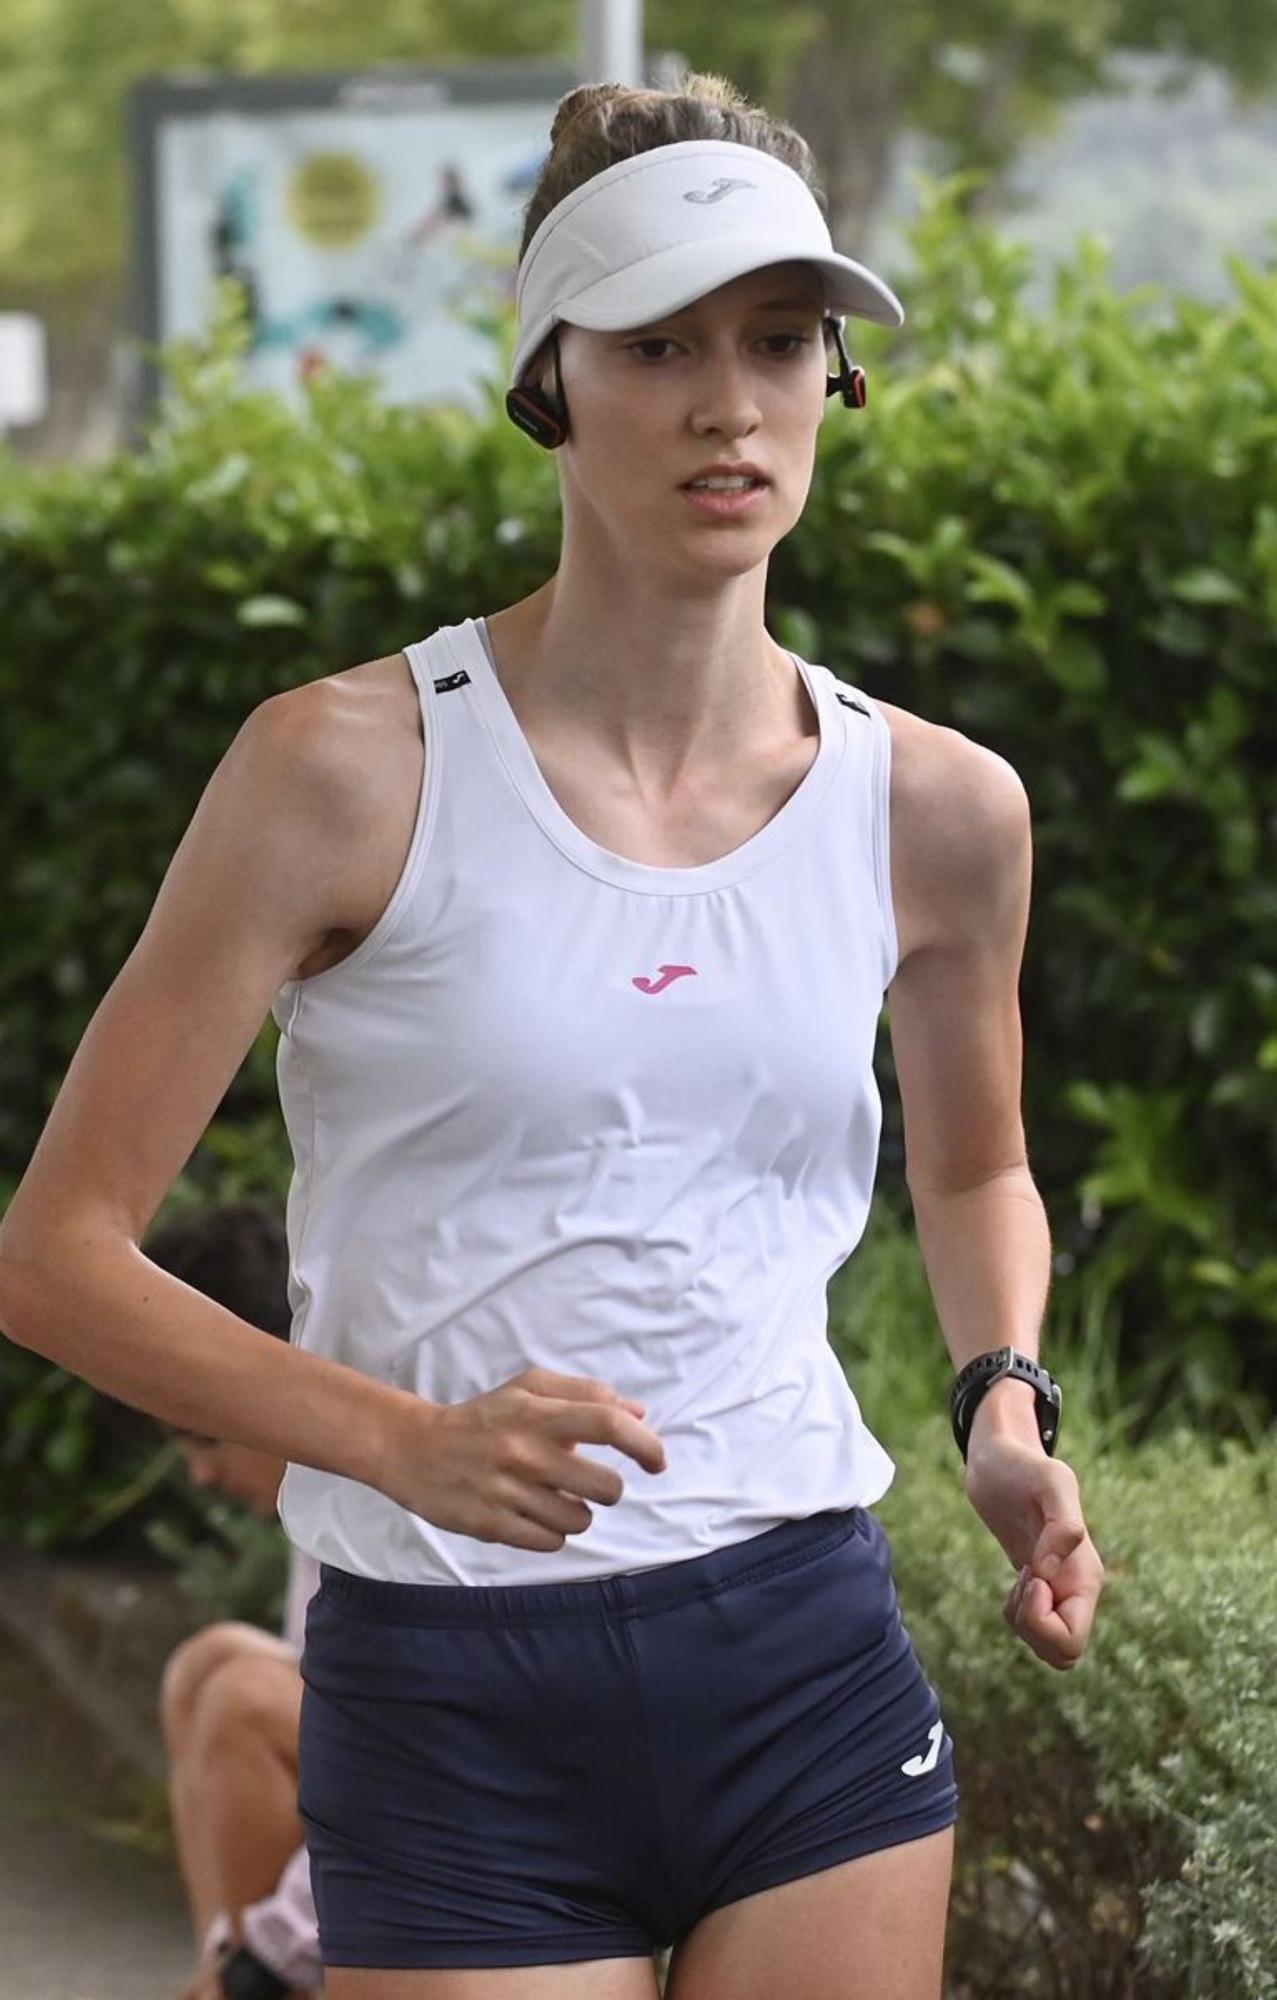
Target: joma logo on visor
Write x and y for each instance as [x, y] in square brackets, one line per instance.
[716, 192]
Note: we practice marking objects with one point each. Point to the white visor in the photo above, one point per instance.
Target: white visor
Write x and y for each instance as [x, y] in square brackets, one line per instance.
[650, 234]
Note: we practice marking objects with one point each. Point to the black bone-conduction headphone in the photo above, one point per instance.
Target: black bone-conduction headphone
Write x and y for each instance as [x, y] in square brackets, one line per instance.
[545, 417]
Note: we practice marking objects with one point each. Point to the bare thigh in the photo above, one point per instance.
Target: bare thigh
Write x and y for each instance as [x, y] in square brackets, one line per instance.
[868, 1929]
[592, 1979]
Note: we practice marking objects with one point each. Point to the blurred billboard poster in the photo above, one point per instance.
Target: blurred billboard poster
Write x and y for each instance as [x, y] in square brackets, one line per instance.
[364, 215]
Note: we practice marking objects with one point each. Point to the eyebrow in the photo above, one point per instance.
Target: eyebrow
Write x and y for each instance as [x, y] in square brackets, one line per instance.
[767, 305]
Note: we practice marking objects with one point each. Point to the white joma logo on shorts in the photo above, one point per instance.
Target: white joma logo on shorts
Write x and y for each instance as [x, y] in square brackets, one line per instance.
[916, 1767]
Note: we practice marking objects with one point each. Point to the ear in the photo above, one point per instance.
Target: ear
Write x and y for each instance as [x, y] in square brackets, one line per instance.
[540, 372]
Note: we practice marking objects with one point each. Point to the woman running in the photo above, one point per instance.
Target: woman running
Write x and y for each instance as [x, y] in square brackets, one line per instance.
[577, 923]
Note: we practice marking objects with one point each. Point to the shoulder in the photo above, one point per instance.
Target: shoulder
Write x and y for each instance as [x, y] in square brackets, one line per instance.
[345, 734]
[347, 751]
[961, 835]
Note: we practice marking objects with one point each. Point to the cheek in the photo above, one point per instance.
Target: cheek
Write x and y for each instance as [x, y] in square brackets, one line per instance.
[621, 472]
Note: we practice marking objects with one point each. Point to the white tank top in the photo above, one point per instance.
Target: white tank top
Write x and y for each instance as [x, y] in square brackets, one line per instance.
[568, 1110]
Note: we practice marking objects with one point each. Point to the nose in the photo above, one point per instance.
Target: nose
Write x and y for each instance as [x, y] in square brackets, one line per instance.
[729, 404]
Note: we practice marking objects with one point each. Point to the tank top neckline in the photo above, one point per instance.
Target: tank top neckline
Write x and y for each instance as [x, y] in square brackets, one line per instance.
[466, 643]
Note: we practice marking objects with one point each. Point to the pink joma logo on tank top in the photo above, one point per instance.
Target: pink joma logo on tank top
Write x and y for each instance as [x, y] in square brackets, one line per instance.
[669, 973]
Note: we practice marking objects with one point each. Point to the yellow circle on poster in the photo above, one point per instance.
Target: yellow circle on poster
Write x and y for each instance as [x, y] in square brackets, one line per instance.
[332, 200]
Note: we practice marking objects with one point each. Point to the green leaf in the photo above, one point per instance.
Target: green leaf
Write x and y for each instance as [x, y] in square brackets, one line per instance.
[1206, 586]
[267, 610]
[994, 582]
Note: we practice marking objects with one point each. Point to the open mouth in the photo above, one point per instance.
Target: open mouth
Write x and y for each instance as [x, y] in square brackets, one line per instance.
[725, 501]
[692, 486]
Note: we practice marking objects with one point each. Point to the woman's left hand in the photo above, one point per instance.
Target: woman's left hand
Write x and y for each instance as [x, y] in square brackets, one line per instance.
[1031, 1503]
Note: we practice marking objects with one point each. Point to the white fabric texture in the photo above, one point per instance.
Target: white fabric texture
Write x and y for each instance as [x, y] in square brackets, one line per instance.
[650, 234]
[563, 1108]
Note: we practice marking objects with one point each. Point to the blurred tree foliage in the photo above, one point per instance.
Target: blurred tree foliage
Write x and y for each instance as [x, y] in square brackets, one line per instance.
[977, 78]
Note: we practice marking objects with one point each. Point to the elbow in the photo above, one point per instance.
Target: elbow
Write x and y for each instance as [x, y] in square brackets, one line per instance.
[8, 1325]
[24, 1293]
[15, 1284]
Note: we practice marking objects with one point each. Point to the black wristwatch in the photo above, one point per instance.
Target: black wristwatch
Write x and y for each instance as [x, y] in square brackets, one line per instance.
[970, 1385]
[242, 1976]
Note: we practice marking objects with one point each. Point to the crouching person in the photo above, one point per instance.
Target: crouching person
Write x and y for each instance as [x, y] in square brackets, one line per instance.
[230, 1696]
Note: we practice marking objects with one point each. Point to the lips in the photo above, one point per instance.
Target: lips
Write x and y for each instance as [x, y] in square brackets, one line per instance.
[729, 472]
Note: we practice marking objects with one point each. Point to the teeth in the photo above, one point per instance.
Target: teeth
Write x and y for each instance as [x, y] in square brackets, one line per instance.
[736, 485]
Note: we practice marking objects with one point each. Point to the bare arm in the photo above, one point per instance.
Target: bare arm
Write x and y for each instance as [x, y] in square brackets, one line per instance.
[138, 1333]
[956, 1036]
[254, 885]
[958, 1049]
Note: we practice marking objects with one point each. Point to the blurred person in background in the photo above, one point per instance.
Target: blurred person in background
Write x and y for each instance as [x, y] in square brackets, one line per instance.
[231, 1694]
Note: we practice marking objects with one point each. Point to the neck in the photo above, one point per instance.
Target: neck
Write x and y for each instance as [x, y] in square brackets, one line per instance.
[660, 684]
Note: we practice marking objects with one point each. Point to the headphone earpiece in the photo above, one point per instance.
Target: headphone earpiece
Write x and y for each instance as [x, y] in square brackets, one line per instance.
[851, 379]
[534, 412]
[542, 416]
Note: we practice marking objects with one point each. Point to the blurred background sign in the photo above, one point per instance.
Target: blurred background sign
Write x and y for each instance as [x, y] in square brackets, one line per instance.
[368, 216]
[24, 376]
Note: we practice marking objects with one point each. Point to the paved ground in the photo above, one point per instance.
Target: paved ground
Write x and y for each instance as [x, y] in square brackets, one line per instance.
[91, 1907]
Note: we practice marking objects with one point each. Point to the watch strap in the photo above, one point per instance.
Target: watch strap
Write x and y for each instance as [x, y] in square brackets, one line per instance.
[973, 1382]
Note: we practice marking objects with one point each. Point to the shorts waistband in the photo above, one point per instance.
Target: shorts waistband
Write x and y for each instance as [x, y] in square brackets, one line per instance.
[783, 1546]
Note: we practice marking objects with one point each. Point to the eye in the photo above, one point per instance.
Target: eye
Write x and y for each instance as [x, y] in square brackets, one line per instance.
[653, 340]
[800, 340]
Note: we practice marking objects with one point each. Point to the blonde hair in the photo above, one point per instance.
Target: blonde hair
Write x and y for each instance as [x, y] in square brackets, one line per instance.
[599, 123]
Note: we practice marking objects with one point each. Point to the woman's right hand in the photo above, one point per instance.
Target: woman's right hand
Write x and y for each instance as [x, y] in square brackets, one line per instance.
[503, 1466]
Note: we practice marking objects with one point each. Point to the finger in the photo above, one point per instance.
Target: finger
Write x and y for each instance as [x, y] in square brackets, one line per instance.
[562, 1513]
[1028, 1598]
[582, 1478]
[574, 1388]
[1057, 1631]
[1058, 1541]
[582, 1388]
[1012, 1608]
[545, 1509]
[578, 1423]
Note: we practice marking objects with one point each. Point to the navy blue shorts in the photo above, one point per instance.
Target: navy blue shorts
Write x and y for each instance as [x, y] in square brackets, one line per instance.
[539, 1773]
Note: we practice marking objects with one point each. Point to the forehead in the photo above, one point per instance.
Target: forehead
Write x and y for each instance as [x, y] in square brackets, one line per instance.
[795, 286]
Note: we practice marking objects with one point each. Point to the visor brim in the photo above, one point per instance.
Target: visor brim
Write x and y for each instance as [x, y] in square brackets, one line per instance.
[673, 278]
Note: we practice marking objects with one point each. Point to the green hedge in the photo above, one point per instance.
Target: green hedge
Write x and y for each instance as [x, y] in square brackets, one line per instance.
[1118, 1831]
[1118, 1827]
[1057, 533]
